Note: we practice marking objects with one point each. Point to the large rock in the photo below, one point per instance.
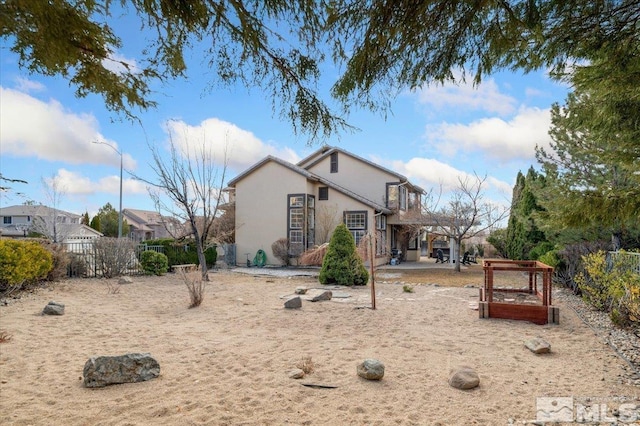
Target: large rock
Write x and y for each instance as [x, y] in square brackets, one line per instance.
[464, 378]
[125, 280]
[371, 369]
[325, 295]
[293, 303]
[111, 370]
[53, 308]
[538, 345]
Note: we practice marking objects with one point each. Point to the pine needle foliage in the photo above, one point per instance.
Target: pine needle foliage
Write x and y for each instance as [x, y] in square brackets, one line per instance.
[341, 264]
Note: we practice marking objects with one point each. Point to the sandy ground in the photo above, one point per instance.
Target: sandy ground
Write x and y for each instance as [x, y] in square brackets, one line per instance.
[227, 362]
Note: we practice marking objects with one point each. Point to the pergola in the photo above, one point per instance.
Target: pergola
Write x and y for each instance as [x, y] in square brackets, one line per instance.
[540, 311]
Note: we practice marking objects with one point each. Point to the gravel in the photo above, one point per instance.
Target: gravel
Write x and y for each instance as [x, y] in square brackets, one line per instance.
[625, 342]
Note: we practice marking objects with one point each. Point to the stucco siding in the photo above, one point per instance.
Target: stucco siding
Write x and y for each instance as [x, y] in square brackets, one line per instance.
[261, 209]
[368, 181]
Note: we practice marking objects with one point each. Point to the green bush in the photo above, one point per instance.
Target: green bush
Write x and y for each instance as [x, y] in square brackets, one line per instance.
[22, 263]
[341, 264]
[180, 253]
[551, 258]
[154, 263]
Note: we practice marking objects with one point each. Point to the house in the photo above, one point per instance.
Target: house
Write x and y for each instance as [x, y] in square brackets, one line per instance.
[59, 225]
[304, 202]
[150, 225]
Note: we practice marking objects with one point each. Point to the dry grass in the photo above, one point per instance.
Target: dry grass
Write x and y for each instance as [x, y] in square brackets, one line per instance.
[314, 256]
[4, 336]
[473, 275]
[195, 284]
[306, 364]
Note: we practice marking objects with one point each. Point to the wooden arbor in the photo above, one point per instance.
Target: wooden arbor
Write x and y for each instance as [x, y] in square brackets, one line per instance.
[538, 311]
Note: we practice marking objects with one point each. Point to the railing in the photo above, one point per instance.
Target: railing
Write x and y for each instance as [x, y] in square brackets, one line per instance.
[624, 260]
[85, 262]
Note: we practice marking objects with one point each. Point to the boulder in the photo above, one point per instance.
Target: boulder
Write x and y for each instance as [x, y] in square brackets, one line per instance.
[293, 303]
[538, 345]
[301, 290]
[371, 369]
[53, 308]
[296, 373]
[110, 370]
[325, 295]
[125, 280]
[464, 378]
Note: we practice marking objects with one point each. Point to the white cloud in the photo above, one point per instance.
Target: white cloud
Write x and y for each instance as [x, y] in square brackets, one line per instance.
[432, 174]
[26, 85]
[494, 137]
[73, 183]
[484, 97]
[34, 128]
[243, 147]
[120, 64]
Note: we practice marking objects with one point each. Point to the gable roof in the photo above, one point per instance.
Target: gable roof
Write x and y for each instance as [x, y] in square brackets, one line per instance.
[327, 150]
[310, 176]
[34, 210]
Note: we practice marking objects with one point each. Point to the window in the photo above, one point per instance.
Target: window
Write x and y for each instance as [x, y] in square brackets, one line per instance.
[296, 218]
[301, 222]
[334, 162]
[7, 220]
[323, 193]
[381, 222]
[392, 195]
[413, 244]
[356, 222]
[402, 197]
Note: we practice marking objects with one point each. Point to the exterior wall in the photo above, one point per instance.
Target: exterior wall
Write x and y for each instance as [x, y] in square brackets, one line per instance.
[339, 203]
[261, 209]
[362, 178]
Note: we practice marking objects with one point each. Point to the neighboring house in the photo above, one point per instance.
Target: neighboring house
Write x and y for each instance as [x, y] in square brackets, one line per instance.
[151, 225]
[18, 221]
[304, 202]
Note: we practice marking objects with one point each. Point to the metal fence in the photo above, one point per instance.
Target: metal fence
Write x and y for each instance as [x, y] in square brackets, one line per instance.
[86, 262]
[627, 261]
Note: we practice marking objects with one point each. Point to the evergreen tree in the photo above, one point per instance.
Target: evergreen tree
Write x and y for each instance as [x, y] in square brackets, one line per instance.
[108, 218]
[383, 47]
[341, 264]
[85, 219]
[95, 223]
[523, 231]
[592, 165]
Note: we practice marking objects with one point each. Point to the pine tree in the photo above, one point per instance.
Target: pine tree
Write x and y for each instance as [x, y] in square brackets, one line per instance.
[341, 264]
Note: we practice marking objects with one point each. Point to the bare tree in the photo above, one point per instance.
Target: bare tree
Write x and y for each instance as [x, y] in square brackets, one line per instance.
[192, 180]
[466, 214]
[49, 220]
[326, 220]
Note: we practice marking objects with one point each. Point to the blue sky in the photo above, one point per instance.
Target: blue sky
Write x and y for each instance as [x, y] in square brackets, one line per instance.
[433, 135]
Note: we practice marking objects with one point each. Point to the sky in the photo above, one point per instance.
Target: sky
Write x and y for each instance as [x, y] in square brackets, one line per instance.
[434, 136]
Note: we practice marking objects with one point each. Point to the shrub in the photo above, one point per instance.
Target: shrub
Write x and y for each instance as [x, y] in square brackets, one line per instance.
[195, 285]
[612, 288]
[114, 256]
[78, 265]
[341, 264]
[180, 253]
[280, 249]
[61, 260]
[407, 288]
[22, 263]
[550, 258]
[154, 263]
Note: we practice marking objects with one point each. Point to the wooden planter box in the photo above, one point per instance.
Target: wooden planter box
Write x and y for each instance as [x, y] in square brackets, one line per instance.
[542, 313]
